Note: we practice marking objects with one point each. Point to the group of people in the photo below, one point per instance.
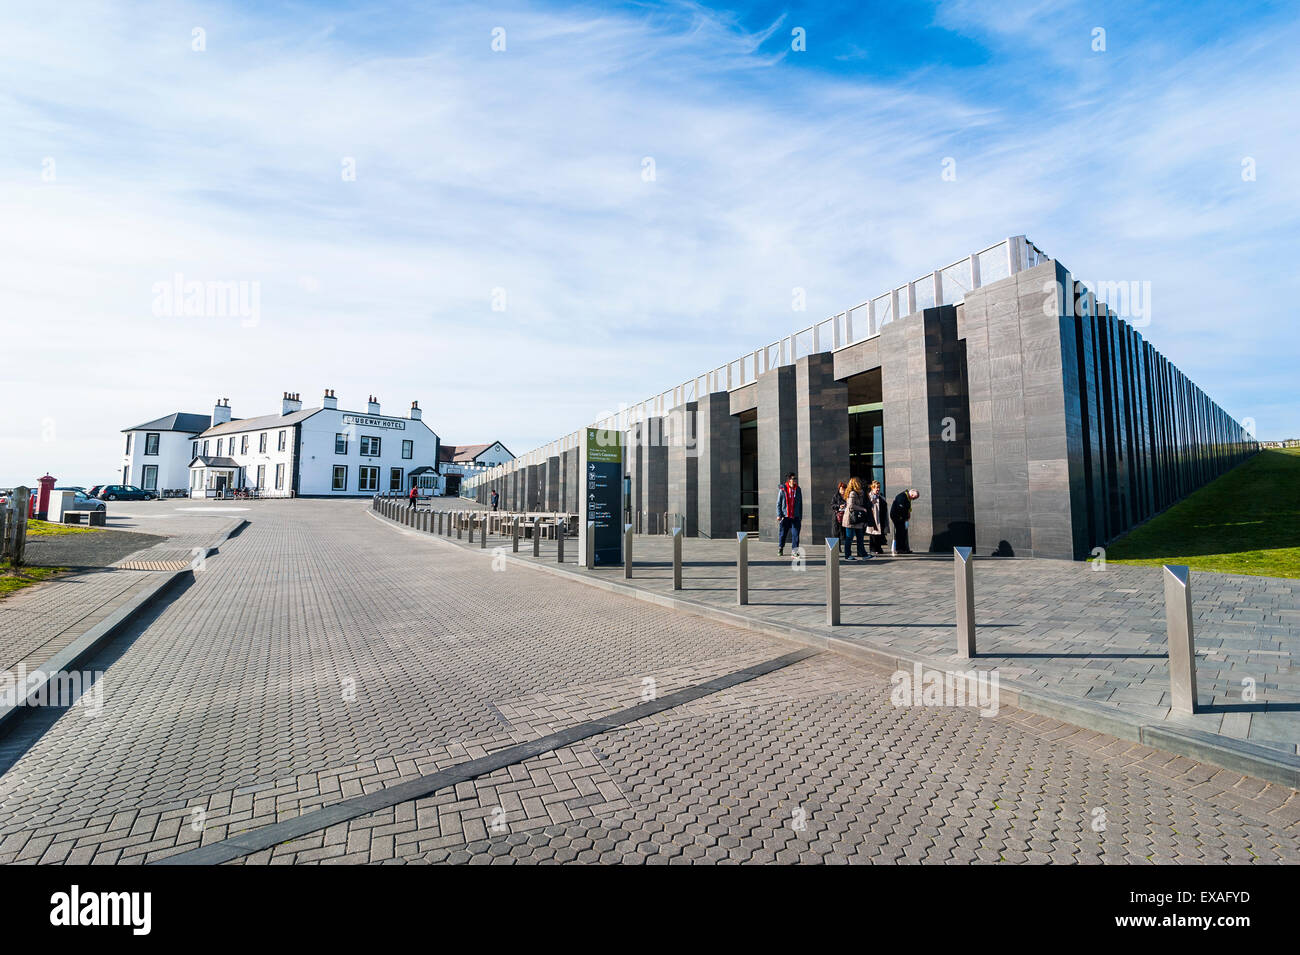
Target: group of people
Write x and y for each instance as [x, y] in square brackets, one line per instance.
[860, 513]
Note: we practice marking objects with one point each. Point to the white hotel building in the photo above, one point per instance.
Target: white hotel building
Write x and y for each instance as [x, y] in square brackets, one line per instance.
[312, 452]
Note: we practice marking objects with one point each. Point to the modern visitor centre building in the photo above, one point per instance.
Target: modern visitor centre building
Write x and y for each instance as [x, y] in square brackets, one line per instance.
[1031, 415]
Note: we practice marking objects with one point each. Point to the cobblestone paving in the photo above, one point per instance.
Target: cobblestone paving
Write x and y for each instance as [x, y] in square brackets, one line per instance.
[325, 654]
[1054, 624]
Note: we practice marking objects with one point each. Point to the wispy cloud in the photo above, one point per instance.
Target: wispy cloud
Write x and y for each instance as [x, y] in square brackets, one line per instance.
[524, 171]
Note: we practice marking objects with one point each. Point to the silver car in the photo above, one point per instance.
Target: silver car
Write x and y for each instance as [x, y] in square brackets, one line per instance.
[82, 501]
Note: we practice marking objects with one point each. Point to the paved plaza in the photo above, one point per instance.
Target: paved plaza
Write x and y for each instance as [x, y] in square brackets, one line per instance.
[325, 656]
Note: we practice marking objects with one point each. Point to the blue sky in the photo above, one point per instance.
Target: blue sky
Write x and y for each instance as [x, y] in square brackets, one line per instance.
[129, 156]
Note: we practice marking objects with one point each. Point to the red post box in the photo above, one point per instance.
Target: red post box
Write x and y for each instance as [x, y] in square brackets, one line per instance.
[43, 499]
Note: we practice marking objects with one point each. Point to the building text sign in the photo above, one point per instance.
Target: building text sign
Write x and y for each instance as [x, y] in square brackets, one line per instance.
[363, 421]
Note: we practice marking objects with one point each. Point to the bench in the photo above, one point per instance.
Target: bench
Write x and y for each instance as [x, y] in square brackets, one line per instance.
[95, 518]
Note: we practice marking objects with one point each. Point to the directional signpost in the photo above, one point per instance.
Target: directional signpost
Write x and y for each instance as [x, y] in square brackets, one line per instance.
[601, 495]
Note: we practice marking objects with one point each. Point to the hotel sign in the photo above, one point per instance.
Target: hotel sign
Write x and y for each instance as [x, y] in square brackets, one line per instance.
[363, 421]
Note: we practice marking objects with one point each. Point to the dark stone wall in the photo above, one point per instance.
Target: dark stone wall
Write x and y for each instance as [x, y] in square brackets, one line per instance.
[680, 433]
[778, 452]
[822, 438]
[718, 466]
[927, 426]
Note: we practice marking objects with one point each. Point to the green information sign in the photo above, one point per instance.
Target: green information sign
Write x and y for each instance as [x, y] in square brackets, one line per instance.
[604, 489]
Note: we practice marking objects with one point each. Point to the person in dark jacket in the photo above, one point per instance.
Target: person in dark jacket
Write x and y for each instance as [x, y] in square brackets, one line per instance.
[789, 513]
[900, 513]
[837, 515]
[877, 519]
[495, 498]
[414, 496]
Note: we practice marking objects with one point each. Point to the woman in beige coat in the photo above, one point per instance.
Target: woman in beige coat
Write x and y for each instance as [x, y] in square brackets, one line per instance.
[855, 519]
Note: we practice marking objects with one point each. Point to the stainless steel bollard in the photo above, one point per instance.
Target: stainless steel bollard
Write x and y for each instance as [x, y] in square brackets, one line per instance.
[537, 537]
[469, 519]
[627, 551]
[833, 581]
[559, 542]
[742, 568]
[590, 556]
[677, 558]
[1182, 640]
[460, 525]
[964, 577]
[483, 527]
[514, 532]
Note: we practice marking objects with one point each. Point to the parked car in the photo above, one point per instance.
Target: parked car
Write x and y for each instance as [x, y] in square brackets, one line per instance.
[94, 491]
[125, 492]
[82, 501]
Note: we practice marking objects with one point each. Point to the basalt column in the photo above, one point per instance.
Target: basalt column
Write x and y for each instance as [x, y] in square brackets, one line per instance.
[822, 427]
[778, 451]
[718, 467]
[683, 467]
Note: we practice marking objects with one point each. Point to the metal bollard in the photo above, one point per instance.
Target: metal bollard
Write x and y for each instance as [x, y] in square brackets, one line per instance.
[559, 542]
[514, 533]
[1182, 641]
[964, 576]
[470, 521]
[440, 513]
[742, 568]
[537, 537]
[833, 581]
[627, 551]
[677, 558]
[460, 525]
[482, 538]
[590, 556]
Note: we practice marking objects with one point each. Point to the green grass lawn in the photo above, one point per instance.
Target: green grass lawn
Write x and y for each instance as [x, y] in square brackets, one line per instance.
[1246, 522]
[12, 580]
[47, 529]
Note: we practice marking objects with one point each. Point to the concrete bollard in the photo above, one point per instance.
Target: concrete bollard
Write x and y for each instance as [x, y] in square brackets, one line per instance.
[514, 533]
[742, 568]
[627, 551]
[833, 581]
[559, 542]
[1182, 640]
[677, 558]
[964, 578]
[590, 557]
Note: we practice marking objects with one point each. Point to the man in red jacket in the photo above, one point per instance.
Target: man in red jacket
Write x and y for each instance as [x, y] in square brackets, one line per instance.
[414, 496]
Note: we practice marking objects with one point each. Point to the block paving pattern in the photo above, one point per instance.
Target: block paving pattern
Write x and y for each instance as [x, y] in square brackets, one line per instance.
[236, 702]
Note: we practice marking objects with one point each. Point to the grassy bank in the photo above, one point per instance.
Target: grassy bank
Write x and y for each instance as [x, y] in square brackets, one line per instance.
[13, 580]
[1246, 522]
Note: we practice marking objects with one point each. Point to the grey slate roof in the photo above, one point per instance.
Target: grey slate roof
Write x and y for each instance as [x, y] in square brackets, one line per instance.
[259, 424]
[203, 462]
[177, 421]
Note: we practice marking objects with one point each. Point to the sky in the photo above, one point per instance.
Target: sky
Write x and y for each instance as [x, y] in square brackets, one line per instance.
[453, 202]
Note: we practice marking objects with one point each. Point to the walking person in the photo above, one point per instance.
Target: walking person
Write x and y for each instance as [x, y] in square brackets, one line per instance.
[414, 496]
[494, 499]
[877, 518]
[789, 513]
[900, 513]
[855, 519]
[837, 515]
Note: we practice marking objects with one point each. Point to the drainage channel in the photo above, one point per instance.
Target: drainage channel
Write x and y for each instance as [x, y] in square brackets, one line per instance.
[267, 836]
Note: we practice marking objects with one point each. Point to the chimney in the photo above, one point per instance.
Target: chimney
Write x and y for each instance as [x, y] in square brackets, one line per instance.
[292, 402]
[331, 403]
[221, 411]
[415, 411]
[373, 406]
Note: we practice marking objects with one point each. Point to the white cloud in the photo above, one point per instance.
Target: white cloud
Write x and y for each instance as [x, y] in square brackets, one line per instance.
[522, 170]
